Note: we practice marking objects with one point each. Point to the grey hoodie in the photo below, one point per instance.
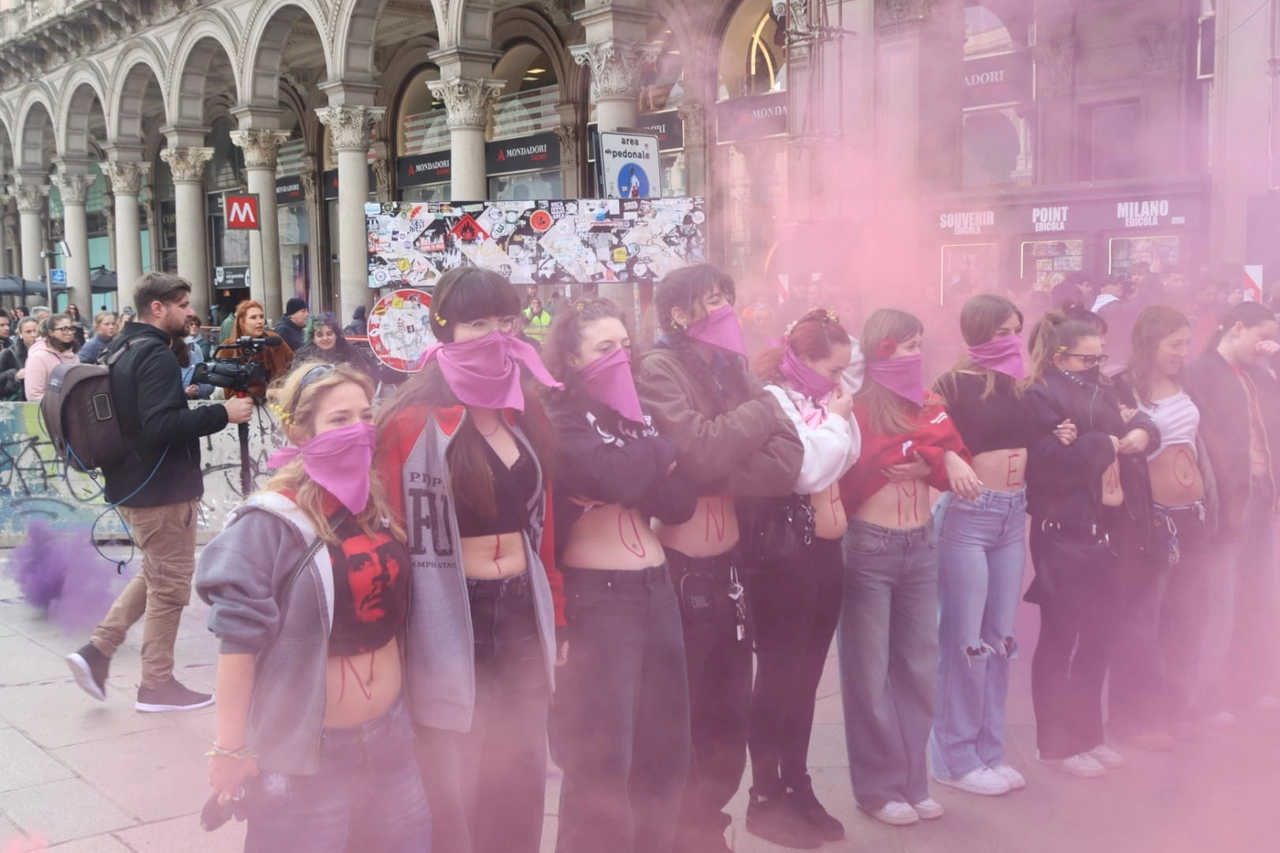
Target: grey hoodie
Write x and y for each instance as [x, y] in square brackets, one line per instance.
[239, 575]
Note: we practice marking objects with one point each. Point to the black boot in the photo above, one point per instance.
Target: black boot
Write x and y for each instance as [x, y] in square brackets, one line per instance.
[803, 802]
[774, 819]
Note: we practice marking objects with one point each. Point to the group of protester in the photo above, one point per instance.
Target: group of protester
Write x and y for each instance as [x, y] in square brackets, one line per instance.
[622, 528]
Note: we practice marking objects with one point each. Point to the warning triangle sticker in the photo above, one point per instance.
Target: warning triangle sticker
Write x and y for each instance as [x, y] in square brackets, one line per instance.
[468, 230]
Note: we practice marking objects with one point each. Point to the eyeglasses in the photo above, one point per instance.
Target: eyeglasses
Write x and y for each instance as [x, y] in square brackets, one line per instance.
[61, 329]
[1089, 360]
[483, 327]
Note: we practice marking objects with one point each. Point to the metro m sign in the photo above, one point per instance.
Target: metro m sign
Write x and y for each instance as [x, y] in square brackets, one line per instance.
[241, 212]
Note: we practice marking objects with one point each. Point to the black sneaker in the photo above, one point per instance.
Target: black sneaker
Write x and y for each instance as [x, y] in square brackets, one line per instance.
[776, 820]
[801, 798]
[89, 666]
[171, 696]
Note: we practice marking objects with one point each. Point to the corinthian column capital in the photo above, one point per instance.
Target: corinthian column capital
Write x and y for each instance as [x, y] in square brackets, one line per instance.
[187, 164]
[615, 66]
[125, 178]
[74, 189]
[261, 147]
[467, 101]
[350, 127]
[29, 197]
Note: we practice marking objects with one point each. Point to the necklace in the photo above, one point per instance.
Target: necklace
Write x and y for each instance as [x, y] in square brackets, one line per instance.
[491, 433]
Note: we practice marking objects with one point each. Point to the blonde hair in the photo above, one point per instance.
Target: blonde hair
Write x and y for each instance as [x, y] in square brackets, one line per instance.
[300, 403]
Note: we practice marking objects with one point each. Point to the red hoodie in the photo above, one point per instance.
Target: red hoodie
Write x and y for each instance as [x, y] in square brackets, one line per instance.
[933, 435]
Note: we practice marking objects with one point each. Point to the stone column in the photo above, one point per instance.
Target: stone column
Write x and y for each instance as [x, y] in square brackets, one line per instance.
[74, 187]
[467, 104]
[261, 148]
[569, 171]
[30, 198]
[187, 165]
[4, 233]
[125, 178]
[349, 129]
[694, 117]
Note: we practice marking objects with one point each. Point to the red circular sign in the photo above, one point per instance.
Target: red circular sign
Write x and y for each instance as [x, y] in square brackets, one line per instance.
[541, 220]
[400, 329]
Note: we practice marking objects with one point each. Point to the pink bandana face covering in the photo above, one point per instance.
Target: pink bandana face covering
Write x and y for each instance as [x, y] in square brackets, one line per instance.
[339, 460]
[1003, 355]
[608, 380]
[485, 372]
[804, 378]
[719, 329]
[903, 376]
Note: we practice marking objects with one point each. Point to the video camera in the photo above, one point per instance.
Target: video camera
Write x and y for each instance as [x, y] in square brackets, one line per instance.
[236, 373]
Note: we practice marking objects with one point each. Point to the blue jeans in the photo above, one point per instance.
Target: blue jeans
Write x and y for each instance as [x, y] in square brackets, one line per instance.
[888, 641]
[620, 723]
[981, 557]
[367, 795]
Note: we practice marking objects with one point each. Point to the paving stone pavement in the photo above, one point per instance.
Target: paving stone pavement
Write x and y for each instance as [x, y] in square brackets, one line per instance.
[80, 776]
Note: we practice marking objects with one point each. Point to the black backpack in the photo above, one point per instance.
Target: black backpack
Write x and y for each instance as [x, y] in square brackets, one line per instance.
[80, 414]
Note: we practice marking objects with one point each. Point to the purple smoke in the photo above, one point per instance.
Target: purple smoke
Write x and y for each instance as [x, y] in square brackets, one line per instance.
[61, 573]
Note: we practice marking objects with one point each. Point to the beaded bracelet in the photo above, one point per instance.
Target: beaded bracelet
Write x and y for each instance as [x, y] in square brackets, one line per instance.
[242, 753]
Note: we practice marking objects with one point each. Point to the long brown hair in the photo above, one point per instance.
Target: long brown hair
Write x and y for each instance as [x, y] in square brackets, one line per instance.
[1053, 335]
[1154, 324]
[565, 339]
[811, 338]
[299, 407]
[464, 295]
[980, 319]
[888, 413]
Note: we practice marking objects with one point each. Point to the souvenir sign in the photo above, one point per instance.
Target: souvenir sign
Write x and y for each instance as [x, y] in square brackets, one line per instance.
[400, 329]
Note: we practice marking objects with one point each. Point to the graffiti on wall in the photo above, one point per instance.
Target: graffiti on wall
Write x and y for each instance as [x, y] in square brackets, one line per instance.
[35, 484]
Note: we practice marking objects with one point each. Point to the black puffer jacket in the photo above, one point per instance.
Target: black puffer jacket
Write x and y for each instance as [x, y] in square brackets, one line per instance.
[1064, 482]
[164, 433]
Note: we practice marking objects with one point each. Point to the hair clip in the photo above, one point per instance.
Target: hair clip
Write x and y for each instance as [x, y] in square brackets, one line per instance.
[1061, 350]
[786, 333]
[440, 321]
[887, 348]
[580, 306]
[831, 316]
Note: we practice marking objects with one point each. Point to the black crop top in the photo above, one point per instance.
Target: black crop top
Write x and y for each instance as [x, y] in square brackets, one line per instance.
[513, 488]
[1000, 422]
[370, 590]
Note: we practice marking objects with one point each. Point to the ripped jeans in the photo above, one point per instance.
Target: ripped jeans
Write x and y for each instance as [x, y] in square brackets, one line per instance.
[981, 557]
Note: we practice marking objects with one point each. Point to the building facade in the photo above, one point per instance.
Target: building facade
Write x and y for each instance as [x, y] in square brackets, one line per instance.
[919, 145]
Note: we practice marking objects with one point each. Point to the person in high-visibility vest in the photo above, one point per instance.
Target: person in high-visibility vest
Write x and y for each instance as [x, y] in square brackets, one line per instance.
[536, 321]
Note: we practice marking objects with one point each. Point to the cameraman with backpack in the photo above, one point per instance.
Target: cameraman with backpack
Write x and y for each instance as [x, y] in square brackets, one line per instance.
[157, 488]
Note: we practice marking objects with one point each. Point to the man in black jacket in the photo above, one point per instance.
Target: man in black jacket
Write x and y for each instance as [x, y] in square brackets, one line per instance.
[158, 489]
[293, 322]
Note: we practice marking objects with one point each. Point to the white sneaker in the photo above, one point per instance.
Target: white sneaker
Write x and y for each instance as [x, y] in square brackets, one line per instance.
[1221, 720]
[929, 809]
[1082, 764]
[1010, 774]
[1269, 703]
[896, 813]
[984, 781]
[1107, 756]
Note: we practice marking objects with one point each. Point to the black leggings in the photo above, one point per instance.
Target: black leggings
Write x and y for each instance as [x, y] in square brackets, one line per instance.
[796, 611]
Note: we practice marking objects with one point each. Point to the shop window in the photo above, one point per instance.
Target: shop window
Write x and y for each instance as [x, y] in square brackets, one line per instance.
[531, 95]
[992, 147]
[526, 187]
[1110, 142]
[226, 170]
[423, 125]
[753, 59]
[967, 269]
[1156, 252]
[1048, 262]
